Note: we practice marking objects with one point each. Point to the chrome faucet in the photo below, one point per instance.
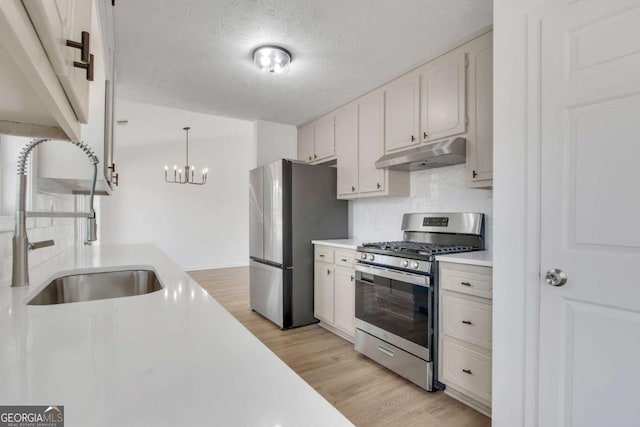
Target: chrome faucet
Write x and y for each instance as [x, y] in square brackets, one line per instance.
[21, 244]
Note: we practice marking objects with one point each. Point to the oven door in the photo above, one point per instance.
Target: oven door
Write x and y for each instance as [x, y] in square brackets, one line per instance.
[395, 306]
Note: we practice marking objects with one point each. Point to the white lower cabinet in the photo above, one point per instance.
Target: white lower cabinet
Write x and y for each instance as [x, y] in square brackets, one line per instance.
[465, 341]
[344, 300]
[334, 290]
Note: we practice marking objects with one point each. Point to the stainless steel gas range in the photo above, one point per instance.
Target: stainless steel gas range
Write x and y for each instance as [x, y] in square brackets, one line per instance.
[396, 291]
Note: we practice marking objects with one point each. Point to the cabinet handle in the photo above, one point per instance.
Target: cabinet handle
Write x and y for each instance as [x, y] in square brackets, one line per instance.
[465, 283]
[467, 322]
[83, 46]
[413, 138]
[310, 157]
[315, 156]
[474, 174]
[321, 255]
[112, 167]
[378, 185]
[352, 278]
[424, 135]
[86, 66]
[328, 272]
[343, 259]
[353, 188]
[115, 179]
[467, 371]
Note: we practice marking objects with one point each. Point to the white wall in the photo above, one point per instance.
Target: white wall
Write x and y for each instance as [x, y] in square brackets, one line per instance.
[514, 357]
[198, 226]
[274, 141]
[434, 190]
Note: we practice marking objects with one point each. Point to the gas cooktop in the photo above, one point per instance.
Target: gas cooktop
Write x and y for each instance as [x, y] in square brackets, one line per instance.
[404, 247]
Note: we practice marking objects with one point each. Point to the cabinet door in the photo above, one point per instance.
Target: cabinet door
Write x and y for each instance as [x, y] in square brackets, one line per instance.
[305, 143]
[402, 112]
[347, 149]
[345, 300]
[323, 291]
[370, 142]
[443, 97]
[480, 143]
[56, 22]
[325, 143]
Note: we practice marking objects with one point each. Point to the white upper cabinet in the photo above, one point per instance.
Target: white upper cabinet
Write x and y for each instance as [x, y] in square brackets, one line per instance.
[443, 97]
[316, 140]
[346, 121]
[480, 142]
[402, 112]
[371, 142]
[325, 138]
[63, 168]
[59, 21]
[306, 138]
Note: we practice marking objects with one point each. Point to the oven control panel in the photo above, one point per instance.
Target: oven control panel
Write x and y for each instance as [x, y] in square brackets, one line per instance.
[395, 262]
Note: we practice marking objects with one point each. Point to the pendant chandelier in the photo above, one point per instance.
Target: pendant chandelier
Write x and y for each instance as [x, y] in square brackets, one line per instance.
[189, 171]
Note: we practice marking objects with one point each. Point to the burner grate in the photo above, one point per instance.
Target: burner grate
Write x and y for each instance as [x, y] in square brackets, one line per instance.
[418, 247]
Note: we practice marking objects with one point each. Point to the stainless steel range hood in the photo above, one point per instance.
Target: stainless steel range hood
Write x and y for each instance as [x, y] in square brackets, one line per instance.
[446, 152]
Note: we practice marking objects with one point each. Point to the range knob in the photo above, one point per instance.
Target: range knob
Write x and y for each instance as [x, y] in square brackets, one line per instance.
[405, 263]
[371, 257]
[363, 256]
[415, 264]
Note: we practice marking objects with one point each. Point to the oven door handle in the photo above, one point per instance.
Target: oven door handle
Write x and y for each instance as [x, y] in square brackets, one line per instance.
[414, 279]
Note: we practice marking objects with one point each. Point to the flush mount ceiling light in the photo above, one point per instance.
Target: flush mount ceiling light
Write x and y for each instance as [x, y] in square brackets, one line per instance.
[189, 170]
[272, 59]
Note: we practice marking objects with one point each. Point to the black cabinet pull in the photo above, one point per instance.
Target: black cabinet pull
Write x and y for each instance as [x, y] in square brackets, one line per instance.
[467, 322]
[467, 371]
[413, 138]
[87, 66]
[474, 174]
[83, 46]
[465, 283]
[424, 135]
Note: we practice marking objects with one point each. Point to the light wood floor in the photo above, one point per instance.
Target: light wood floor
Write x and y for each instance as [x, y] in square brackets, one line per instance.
[365, 392]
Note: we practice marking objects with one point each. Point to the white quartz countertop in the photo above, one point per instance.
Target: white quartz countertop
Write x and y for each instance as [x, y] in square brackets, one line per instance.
[175, 357]
[481, 258]
[339, 243]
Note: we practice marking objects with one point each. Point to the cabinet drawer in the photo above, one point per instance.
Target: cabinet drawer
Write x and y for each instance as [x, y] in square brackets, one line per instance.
[466, 320]
[324, 254]
[345, 258]
[467, 369]
[468, 279]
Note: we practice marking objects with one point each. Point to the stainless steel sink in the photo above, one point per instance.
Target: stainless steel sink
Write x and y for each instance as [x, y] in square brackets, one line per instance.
[95, 286]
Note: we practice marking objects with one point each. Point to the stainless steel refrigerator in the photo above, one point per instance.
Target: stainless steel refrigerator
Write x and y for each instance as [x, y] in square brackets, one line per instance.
[291, 203]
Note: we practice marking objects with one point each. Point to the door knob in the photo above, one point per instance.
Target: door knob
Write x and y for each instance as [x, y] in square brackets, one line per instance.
[555, 277]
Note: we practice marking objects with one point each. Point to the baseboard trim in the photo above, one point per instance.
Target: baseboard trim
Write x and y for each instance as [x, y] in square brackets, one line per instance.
[215, 267]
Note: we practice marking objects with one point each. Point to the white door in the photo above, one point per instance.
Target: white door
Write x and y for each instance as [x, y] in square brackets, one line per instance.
[345, 299]
[306, 136]
[325, 137]
[323, 291]
[443, 97]
[347, 149]
[402, 112]
[370, 142]
[590, 212]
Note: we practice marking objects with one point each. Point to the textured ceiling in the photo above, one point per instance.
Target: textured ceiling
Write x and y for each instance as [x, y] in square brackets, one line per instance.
[196, 54]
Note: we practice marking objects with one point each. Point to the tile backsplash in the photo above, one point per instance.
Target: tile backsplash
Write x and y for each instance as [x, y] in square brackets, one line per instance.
[61, 230]
[432, 190]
